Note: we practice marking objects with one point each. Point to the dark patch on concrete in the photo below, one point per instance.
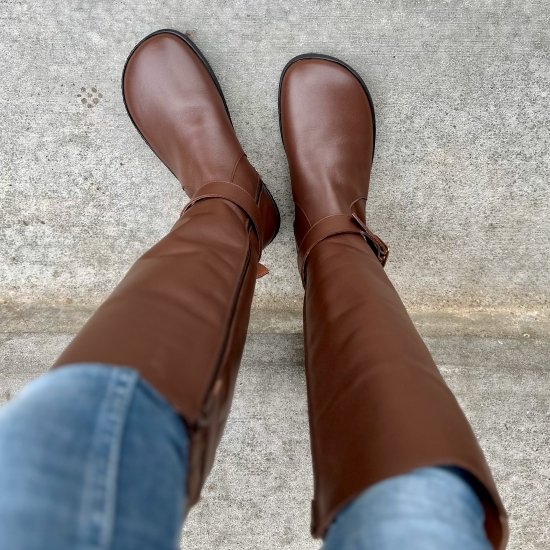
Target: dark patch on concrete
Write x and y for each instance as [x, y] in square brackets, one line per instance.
[192, 34]
[90, 97]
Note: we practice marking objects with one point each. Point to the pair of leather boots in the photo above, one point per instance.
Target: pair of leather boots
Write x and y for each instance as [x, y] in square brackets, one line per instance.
[378, 406]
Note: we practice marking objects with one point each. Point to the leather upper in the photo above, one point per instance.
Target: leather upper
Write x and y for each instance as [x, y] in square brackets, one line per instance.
[378, 406]
[175, 103]
[328, 133]
[327, 126]
[180, 315]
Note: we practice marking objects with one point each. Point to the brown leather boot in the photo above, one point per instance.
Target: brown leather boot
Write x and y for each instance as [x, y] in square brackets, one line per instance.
[181, 313]
[378, 406]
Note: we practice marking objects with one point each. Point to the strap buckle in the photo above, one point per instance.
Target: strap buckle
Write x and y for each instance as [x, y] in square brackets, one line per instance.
[338, 224]
[231, 192]
[378, 246]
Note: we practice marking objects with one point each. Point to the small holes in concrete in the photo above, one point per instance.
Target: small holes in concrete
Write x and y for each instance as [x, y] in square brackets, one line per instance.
[89, 97]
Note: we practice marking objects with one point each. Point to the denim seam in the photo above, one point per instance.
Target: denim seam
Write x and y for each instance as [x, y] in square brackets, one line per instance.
[98, 507]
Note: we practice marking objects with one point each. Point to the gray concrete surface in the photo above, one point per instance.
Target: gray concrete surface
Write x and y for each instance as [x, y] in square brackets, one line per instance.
[460, 191]
[258, 494]
[460, 188]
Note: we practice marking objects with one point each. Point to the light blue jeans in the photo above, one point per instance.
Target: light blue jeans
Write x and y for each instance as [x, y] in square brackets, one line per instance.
[91, 457]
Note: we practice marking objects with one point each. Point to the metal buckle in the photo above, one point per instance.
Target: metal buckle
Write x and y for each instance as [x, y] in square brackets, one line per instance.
[378, 246]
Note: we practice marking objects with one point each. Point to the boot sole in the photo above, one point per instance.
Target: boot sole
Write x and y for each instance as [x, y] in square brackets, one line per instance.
[203, 60]
[339, 62]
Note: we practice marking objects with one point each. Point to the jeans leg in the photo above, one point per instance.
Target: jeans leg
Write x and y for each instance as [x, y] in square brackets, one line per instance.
[426, 509]
[91, 457]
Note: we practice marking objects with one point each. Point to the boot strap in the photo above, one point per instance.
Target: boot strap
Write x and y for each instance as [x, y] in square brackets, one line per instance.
[235, 194]
[337, 225]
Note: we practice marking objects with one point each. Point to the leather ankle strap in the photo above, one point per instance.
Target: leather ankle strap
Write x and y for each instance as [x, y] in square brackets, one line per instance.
[237, 195]
[337, 225]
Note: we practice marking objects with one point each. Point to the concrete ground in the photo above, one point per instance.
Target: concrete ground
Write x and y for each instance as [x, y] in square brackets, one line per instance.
[460, 188]
[460, 191]
[258, 494]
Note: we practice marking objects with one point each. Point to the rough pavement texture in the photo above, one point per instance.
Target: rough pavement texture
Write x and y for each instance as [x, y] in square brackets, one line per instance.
[460, 188]
[460, 191]
[259, 492]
